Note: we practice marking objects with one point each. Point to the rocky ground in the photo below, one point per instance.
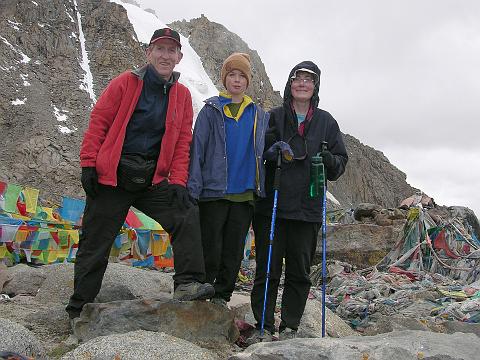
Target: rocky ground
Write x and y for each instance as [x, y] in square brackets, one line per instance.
[135, 318]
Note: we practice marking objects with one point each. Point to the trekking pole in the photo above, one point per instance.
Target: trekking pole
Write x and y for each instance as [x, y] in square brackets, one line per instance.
[276, 186]
[324, 240]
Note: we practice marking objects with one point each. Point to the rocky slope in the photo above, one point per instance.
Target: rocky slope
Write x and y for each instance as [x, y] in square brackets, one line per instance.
[44, 110]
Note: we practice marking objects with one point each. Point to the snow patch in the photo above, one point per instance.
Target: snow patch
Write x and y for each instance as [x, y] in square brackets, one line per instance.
[14, 24]
[87, 84]
[18, 101]
[25, 58]
[68, 14]
[65, 130]
[58, 114]
[332, 198]
[41, 25]
[7, 68]
[24, 78]
[61, 116]
[34, 3]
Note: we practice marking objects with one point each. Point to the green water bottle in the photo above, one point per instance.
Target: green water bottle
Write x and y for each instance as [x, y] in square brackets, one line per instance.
[317, 176]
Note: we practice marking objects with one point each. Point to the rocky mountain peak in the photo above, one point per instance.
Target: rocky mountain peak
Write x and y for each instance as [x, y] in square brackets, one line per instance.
[214, 43]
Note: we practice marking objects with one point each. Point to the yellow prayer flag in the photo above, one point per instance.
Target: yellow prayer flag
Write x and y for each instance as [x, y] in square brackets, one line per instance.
[49, 212]
[21, 235]
[156, 245]
[31, 199]
[3, 251]
[52, 256]
[73, 236]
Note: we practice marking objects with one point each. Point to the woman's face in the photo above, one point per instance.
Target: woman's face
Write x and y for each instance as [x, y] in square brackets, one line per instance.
[302, 86]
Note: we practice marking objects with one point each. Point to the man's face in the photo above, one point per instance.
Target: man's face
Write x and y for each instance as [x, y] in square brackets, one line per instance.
[164, 54]
[236, 82]
[302, 86]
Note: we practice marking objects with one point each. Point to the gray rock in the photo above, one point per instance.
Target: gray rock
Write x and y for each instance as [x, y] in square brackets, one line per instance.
[196, 321]
[5, 276]
[382, 324]
[121, 282]
[366, 210]
[402, 345]
[24, 279]
[311, 323]
[461, 327]
[17, 338]
[362, 245]
[48, 321]
[139, 345]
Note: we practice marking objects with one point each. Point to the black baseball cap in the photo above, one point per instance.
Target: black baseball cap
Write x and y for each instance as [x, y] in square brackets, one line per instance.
[165, 33]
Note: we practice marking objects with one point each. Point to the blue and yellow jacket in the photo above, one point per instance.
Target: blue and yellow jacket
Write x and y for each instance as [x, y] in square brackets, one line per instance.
[208, 152]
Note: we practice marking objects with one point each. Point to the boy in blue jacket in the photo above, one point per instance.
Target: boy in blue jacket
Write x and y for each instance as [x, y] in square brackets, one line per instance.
[227, 173]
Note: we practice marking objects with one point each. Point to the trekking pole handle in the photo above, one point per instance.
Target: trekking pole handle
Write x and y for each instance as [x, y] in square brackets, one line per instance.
[324, 146]
[276, 181]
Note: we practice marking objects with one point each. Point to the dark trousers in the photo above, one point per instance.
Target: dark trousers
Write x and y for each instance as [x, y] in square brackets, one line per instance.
[296, 241]
[103, 218]
[224, 225]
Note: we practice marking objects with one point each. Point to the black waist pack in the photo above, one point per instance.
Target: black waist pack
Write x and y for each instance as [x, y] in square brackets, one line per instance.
[135, 173]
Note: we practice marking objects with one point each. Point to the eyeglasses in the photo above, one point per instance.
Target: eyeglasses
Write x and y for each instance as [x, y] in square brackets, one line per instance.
[298, 144]
[305, 81]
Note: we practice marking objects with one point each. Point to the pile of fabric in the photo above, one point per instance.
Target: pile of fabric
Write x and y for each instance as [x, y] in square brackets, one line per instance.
[448, 247]
[38, 234]
[439, 257]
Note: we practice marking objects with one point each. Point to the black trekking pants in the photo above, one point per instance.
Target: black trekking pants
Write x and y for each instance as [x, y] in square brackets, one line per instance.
[102, 220]
[224, 225]
[296, 241]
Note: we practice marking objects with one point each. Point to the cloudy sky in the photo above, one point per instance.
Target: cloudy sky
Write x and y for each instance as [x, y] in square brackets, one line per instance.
[401, 76]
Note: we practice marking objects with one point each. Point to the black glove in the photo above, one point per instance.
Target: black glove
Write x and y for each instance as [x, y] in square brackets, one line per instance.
[184, 200]
[272, 153]
[90, 181]
[328, 159]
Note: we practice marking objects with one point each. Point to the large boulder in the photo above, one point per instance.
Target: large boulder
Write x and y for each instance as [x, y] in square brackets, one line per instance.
[200, 322]
[362, 245]
[139, 344]
[381, 324]
[48, 321]
[121, 282]
[311, 323]
[402, 345]
[16, 338]
[24, 280]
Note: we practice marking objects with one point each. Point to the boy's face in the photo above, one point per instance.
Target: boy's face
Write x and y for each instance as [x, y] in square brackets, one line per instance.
[236, 82]
[164, 54]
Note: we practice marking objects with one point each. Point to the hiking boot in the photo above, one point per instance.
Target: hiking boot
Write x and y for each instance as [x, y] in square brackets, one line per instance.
[287, 334]
[219, 301]
[256, 337]
[193, 291]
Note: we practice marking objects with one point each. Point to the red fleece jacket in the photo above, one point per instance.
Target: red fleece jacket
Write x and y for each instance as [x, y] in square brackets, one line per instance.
[103, 140]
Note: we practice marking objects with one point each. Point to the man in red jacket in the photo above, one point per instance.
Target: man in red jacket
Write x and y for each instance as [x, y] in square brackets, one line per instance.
[135, 152]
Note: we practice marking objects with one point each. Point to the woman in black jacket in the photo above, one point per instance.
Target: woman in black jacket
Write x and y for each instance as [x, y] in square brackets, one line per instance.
[298, 127]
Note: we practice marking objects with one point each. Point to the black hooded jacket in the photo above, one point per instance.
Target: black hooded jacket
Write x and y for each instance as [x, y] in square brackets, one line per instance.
[294, 201]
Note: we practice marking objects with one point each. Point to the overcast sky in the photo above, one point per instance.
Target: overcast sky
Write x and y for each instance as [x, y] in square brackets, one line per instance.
[401, 76]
